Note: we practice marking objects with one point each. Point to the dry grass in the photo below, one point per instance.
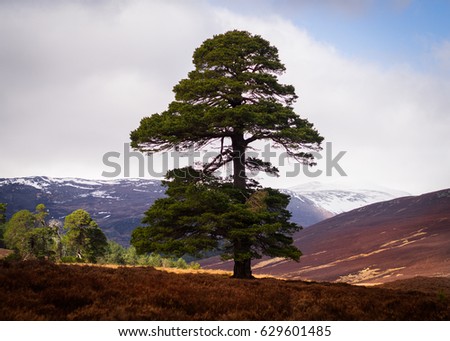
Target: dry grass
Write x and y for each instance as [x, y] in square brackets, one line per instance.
[210, 272]
[45, 291]
[176, 270]
[4, 253]
[195, 271]
[433, 285]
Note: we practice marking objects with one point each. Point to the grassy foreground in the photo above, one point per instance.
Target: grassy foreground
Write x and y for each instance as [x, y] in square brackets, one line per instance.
[45, 291]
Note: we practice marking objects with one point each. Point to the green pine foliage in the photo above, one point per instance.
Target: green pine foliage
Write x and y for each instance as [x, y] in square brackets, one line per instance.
[232, 93]
[29, 235]
[200, 215]
[84, 239]
[17, 231]
[114, 254]
[117, 254]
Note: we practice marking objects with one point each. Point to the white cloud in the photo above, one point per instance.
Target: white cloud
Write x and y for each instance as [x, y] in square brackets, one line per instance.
[76, 79]
[289, 8]
[392, 122]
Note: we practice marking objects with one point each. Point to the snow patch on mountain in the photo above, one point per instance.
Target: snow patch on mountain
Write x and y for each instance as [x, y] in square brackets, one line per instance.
[102, 194]
[338, 198]
[32, 182]
[76, 181]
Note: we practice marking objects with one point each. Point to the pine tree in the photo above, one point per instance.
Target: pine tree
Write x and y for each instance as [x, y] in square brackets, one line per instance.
[29, 235]
[17, 232]
[84, 238]
[233, 98]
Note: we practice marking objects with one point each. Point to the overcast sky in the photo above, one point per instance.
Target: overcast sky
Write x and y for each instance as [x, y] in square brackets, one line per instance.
[373, 76]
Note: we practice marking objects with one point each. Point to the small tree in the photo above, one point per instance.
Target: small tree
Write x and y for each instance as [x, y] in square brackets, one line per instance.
[40, 215]
[131, 257]
[56, 226]
[17, 232]
[43, 238]
[2, 223]
[114, 254]
[84, 238]
[43, 243]
[233, 98]
[30, 236]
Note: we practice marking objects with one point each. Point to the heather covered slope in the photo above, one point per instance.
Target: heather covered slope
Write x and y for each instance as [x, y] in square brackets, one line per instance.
[378, 243]
[396, 239]
[45, 291]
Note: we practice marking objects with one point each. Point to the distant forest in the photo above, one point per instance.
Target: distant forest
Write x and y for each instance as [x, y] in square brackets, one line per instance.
[77, 239]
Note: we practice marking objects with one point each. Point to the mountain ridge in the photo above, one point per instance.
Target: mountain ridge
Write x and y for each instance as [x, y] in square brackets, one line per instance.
[118, 205]
[342, 197]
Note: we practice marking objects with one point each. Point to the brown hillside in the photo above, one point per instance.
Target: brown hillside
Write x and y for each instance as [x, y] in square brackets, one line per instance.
[378, 243]
[433, 285]
[396, 239]
[45, 291]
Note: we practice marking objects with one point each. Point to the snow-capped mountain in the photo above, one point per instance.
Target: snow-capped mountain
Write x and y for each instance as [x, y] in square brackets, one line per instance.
[118, 205]
[338, 198]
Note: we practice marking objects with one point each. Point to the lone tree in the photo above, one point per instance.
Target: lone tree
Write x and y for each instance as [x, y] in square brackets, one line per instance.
[232, 98]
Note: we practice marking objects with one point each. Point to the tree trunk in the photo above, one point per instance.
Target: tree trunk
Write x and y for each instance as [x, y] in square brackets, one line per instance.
[243, 269]
[238, 144]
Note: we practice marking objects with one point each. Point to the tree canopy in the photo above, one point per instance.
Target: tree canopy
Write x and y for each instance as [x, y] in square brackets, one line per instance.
[16, 231]
[29, 235]
[232, 98]
[84, 238]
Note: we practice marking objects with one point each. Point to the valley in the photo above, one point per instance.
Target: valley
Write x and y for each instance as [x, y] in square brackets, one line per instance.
[371, 243]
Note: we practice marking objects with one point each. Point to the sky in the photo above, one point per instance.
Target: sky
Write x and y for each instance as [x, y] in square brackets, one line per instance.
[373, 76]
